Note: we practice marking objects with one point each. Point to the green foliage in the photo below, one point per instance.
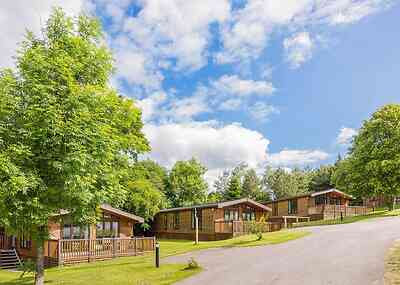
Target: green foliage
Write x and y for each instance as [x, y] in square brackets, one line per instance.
[285, 183]
[257, 228]
[187, 185]
[372, 166]
[144, 183]
[66, 136]
[251, 184]
[234, 190]
[322, 178]
[26, 267]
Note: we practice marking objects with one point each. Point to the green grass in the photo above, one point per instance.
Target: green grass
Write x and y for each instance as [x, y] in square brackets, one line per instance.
[347, 220]
[140, 270]
[392, 266]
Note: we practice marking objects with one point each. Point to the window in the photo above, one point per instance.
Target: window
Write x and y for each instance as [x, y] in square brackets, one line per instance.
[25, 242]
[231, 215]
[199, 216]
[320, 200]
[165, 222]
[249, 214]
[292, 206]
[75, 232]
[176, 220]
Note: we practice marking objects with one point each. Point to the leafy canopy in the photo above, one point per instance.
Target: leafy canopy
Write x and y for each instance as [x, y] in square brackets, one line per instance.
[65, 135]
[372, 166]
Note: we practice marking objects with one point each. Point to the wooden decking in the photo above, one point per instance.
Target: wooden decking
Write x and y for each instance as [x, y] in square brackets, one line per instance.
[88, 250]
[336, 211]
[237, 228]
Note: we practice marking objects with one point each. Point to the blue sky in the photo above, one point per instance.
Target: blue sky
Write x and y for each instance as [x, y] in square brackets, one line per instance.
[281, 83]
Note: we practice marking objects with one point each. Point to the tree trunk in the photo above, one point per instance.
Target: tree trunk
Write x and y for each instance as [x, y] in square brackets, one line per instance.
[39, 277]
[394, 203]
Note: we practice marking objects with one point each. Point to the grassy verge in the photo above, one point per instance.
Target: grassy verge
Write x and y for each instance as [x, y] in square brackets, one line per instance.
[392, 266]
[347, 220]
[173, 247]
[140, 270]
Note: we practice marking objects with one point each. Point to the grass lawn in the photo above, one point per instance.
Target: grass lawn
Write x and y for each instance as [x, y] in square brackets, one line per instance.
[140, 270]
[392, 266]
[346, 220]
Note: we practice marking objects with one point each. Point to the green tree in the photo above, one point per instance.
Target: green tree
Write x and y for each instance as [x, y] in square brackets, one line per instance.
[284, 183]
[187, 185]
[222, 182]
[65, 134]
[251, 187]
[234, 190]
[145, 182]
[321, 178]
[372, 166]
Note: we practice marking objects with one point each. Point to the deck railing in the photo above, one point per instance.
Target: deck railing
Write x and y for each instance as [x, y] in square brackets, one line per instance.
[4, 242]
[87, 250]
[243, 227]
[337, 211]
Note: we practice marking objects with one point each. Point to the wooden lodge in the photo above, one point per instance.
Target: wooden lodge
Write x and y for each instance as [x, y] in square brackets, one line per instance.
[216, 221]
[328, 204]
[112, 236]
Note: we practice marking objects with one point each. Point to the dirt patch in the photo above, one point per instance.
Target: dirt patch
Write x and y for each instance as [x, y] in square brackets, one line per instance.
[392, 266]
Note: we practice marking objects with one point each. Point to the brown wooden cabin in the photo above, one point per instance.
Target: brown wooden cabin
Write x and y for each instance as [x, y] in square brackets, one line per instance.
[328, 204]
[112, 236]
[216, 221]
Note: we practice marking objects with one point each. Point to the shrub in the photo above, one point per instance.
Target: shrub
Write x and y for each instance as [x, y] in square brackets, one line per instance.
[26, 267]
[257, 228]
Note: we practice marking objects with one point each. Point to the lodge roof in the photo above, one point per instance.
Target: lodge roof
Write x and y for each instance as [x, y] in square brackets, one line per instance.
[109, 208]
[220, 205]
[314, 194]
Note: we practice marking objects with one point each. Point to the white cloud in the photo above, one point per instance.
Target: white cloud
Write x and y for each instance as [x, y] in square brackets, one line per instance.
[217, 146]
[18, 15]
[260, 111]
[230, 104]
[298, 49]
[150, 106]
[246, 34]
[220, 147]
[233, 85]
[296, 157]
[345, 136]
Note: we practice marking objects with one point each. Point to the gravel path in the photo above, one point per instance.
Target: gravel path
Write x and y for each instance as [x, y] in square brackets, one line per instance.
[335, 255]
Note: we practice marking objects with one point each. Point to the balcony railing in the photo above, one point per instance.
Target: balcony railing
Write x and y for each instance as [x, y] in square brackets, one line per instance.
[339, 210]
[243, 227]
[87, 250]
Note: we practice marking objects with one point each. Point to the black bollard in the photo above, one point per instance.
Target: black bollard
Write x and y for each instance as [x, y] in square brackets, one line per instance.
[341, 216]
[157, 255]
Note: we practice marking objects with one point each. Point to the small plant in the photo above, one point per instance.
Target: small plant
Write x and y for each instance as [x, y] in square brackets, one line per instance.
[257, 228]
[192, 264]
[27, 267]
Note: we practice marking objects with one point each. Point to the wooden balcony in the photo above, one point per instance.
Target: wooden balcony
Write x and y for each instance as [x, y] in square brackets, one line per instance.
[336, 211]
[237, 228]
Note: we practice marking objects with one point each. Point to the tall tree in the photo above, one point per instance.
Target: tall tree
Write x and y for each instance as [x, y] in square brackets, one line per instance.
[234, 190]
[65, 134]
[251, 185]
[187, 185]
[322, 178]
[372, 166]
[284, 183]
[222, 182]
[145, 184]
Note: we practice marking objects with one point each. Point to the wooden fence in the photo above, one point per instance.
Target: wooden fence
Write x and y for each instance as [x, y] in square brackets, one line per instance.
[87, 250]
[243, 227]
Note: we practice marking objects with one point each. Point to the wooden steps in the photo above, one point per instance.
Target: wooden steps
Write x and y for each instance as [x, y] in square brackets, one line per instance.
[9, 259]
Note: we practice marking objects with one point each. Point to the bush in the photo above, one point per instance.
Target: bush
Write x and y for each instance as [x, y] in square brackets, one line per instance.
[257, 228]
[192, 264]
[26, 267]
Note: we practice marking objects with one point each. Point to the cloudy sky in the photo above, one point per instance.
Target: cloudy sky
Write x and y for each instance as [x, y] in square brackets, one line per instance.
[284, 83]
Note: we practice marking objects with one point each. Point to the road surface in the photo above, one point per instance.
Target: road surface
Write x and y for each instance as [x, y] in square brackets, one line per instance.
[335, 255]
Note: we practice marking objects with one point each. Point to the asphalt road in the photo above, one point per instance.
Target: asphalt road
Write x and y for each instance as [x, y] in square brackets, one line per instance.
[334, 255]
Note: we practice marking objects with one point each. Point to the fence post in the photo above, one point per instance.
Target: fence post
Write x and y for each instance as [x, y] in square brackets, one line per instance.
[113, 247]
[60, 261]
[135, 246]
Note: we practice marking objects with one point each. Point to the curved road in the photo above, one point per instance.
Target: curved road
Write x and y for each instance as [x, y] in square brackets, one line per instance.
[335, 255]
